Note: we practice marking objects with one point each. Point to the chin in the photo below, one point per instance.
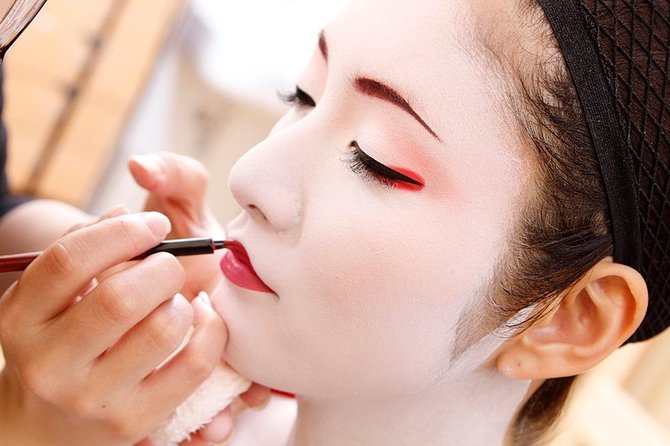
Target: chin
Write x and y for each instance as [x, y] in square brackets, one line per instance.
[248, 350]
[260, 371]
[255, 348]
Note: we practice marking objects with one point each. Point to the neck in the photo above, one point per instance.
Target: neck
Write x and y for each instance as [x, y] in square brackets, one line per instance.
[476, 410]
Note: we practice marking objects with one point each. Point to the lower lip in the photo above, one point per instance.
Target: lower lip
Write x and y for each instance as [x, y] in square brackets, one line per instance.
[241, 275]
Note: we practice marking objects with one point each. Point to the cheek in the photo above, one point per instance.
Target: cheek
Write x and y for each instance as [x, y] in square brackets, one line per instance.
[383, 289]
[380, 248]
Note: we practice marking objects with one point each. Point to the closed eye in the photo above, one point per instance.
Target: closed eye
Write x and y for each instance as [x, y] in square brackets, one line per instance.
[370, 169]
[298, 98]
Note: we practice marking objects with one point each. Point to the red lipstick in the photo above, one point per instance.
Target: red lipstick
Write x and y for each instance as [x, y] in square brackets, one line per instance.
[237, 268]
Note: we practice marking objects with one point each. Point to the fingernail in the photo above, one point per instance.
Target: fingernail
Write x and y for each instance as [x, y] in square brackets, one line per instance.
[157, 223]
[202, 310]
[205, 298]
[149, 163]
[201, 305]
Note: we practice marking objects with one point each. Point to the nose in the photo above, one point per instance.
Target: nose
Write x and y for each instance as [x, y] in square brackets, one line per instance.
[266, 183]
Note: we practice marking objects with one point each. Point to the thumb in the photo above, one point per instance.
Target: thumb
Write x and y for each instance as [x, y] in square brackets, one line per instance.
[173, 176]
[115, 212]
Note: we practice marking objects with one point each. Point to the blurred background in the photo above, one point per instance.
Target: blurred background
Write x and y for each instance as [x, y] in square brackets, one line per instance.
[92, 82]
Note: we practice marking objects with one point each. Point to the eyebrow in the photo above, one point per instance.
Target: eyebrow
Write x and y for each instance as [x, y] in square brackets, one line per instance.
[323, 46]
[376, 89]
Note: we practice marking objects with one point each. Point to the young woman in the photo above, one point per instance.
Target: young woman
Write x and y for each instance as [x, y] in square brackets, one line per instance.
[466, 207]
[444, 228]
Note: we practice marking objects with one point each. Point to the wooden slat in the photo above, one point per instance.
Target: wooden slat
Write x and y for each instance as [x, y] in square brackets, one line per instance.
[39, 69]
[105, 102]
[130, 51]
[84, 15]
[51, 46]
[55, 56]
[31, 111]
[80, 159]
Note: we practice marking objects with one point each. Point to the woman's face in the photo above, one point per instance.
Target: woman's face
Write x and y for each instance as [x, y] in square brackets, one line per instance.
[372, 271]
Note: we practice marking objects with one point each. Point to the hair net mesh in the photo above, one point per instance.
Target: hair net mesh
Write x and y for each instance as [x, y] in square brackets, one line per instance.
[632, 43]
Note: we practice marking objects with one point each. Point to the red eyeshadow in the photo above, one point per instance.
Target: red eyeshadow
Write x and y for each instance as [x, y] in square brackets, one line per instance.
[408, 186]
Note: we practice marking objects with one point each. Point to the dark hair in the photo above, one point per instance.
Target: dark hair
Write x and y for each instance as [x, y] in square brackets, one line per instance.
[563, 229]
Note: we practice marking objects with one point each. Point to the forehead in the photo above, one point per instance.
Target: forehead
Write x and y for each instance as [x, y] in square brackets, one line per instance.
[432, 51]
[419, 30]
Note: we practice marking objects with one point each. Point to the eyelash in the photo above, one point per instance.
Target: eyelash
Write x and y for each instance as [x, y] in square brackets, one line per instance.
[297, 98]
[370, 169]
[359, 162]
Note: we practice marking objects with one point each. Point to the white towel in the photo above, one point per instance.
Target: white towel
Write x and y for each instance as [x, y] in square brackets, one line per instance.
[213, 395]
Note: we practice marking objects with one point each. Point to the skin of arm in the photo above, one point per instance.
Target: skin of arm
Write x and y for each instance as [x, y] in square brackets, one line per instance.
[34, 225]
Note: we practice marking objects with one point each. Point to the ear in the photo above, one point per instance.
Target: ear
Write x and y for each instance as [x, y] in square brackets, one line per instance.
[592, 319]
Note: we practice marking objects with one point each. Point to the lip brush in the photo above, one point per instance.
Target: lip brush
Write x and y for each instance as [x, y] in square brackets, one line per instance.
[177, 247]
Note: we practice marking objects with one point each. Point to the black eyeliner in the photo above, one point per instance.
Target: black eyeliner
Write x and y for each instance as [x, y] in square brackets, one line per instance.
[379, 168]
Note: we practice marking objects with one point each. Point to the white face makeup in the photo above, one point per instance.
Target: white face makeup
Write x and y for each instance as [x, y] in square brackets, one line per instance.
[371, 279]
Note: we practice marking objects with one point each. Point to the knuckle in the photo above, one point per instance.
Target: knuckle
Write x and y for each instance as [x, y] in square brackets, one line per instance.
[34, 377]
[164, 335]
[112, 304]
[130, 236]
[81, 405]
[200, 366]
[127, 231]
[60, 259]
[171, 269]
[217, 332]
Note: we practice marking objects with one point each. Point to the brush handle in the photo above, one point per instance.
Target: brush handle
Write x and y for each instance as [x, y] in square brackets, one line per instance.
[177, 247]
[17, 262]
[184, 247]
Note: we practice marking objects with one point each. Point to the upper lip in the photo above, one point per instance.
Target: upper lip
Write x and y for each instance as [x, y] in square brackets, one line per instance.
[237, 248]
[240, 252]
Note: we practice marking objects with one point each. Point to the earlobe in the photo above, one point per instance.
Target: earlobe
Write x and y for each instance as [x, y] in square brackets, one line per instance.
[592, 319]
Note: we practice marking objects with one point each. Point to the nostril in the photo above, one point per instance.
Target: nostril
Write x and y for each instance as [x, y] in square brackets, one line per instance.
[255, 210]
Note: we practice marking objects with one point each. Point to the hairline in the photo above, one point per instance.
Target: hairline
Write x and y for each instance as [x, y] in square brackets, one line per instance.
[484, 45]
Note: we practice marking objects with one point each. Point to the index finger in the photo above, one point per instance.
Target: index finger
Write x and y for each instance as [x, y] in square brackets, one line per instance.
[171, 175]
[53, 280]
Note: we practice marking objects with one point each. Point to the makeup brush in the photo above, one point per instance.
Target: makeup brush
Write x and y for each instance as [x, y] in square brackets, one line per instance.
[177, 247]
